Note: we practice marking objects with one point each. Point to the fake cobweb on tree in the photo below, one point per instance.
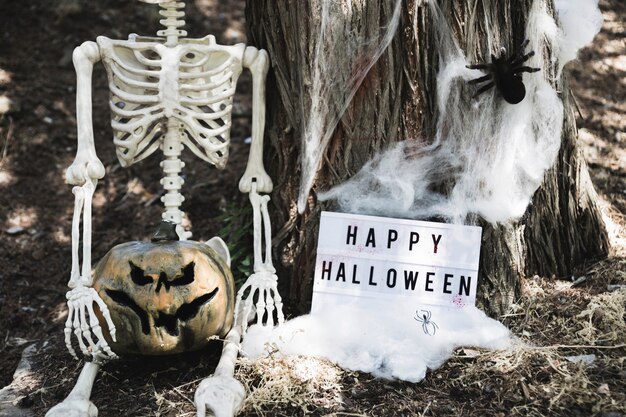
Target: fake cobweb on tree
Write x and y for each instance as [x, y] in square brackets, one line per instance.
[491, 156]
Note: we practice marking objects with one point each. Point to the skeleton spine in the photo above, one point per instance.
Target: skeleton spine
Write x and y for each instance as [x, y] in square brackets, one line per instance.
[173, 20]
[172, 166]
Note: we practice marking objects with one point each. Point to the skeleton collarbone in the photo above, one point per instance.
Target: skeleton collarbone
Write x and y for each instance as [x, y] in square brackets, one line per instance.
[150, 84]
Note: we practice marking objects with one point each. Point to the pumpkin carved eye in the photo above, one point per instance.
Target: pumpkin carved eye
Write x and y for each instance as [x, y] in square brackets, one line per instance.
[137, 275]
[185, 277]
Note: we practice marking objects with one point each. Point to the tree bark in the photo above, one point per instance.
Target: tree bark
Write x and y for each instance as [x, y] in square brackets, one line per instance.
[562, 227]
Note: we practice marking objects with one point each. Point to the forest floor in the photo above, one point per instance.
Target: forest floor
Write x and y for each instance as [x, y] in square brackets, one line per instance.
[573, 362]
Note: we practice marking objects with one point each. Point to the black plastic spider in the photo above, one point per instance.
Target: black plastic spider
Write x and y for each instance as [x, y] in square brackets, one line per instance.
[506, 74]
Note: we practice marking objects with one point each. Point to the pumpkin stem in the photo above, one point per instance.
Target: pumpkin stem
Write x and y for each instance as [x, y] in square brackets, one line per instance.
[166, 232]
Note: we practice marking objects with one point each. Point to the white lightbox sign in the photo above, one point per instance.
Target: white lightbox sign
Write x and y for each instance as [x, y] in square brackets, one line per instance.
[396, 260]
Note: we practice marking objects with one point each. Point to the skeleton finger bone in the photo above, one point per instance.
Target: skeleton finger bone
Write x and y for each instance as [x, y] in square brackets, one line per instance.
[260, 305]
[77, 328]
[105, 313]
[85, 329]
[246, 310]
[68, 332]
[278, 301]
[270, 307]
[97, 330]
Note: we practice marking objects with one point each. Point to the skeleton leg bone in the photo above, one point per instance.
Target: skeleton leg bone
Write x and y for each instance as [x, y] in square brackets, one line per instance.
[221, 394]
[77, 403]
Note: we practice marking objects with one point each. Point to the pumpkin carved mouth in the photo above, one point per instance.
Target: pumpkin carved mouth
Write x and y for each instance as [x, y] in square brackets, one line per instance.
[185, 312]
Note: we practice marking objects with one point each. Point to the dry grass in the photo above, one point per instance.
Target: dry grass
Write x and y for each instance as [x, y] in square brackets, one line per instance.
[568, 361]
[294, 385]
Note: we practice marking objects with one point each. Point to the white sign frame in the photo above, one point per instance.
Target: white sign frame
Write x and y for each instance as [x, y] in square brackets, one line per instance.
[434, 263]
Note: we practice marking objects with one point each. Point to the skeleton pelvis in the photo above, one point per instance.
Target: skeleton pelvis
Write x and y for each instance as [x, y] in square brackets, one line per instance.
[165, 297]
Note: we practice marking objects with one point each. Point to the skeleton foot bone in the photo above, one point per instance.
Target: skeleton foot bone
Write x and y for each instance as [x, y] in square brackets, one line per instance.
[73, 407]
[221, 395]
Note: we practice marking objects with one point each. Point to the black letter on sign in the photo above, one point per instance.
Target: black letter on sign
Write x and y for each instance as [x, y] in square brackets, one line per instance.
[415, 237]
[372, 277]
[429, 281]
[447, 283]
[391, 278]
[341, 273]
[391, 237]
[371, 238]
[351, 235]
[435, 243]
[354, 280]
[410, 279]
[465, 285]
[326, 270]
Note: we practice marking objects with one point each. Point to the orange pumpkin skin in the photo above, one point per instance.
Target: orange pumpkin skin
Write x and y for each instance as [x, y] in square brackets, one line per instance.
[165, 297]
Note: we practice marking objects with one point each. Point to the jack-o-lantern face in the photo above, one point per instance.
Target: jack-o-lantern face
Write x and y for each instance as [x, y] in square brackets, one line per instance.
[165, 297]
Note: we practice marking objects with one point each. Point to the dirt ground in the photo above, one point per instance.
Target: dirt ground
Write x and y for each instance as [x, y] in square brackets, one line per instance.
[554, 375]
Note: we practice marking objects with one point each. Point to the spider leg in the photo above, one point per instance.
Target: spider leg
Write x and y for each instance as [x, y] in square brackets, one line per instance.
[519, 52]
[524, 45]
[519, 70]
[523, 58]
[480, 79]
[484, 88]
[478, 66]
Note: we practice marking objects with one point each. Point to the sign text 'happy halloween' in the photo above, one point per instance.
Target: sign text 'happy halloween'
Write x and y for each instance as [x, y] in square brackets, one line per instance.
[368, 256]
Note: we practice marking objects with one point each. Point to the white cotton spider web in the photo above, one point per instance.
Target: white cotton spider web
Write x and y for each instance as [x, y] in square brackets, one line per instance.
[335, 81]
[490, 155]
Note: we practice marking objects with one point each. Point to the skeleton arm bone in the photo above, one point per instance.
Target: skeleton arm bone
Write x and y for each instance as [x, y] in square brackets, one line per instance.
[263, 283]
[84, 173]
[86, 165]
[258, 63]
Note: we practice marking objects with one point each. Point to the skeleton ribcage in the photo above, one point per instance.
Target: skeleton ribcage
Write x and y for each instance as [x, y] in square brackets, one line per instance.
[150, 83]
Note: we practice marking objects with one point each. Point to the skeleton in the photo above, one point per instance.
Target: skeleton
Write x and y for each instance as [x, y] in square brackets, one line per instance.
[168, 92]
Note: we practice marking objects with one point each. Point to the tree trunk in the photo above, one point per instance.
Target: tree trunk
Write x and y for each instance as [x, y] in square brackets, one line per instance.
[561, 229]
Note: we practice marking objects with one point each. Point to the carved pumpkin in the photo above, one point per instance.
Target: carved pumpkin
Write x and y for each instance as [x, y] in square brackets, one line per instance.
[165, 297]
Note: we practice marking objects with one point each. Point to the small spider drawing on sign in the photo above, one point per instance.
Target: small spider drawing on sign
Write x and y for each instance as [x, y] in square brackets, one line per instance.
[506, 74]
[429, 327]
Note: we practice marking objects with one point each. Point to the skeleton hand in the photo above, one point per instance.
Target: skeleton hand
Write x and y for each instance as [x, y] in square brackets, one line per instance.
[84, 169]
[222, 395]
[80, 302]
[260, 177]
[264, 286]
